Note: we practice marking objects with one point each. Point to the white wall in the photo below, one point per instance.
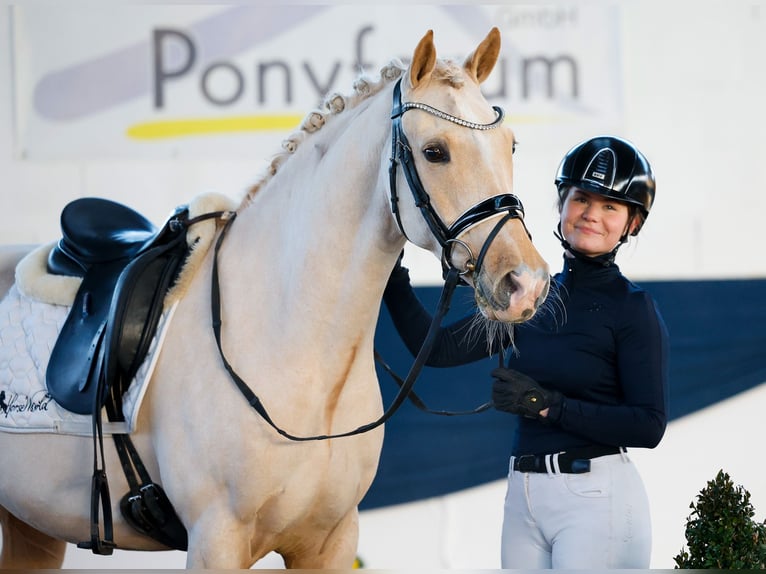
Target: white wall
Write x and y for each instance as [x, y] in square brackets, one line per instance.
[694, 79]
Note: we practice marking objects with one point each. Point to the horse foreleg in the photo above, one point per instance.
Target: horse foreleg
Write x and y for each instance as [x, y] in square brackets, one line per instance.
[337, 550]
[26, 547]
[220, 542]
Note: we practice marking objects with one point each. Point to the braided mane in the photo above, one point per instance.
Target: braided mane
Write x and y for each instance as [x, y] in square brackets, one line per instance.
[364, 87]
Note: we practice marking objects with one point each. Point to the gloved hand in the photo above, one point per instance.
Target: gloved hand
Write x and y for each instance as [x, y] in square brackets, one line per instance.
[516, 393]
[399, 273]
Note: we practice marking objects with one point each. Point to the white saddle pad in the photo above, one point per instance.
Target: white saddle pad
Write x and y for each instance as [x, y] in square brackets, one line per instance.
[28, 331]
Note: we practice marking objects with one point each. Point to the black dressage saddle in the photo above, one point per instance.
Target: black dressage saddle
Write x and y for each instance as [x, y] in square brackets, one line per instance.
[127, 266]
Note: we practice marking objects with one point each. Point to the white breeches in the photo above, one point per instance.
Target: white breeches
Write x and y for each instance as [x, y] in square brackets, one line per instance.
[598, 519]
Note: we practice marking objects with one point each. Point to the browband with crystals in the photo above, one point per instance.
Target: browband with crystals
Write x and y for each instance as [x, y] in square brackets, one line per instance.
[454, 119]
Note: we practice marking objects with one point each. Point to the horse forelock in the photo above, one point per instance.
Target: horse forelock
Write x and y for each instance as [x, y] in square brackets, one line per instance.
[364, 87]
[450, 72]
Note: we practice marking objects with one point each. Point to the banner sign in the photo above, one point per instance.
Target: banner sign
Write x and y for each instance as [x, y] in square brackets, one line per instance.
[170, 81]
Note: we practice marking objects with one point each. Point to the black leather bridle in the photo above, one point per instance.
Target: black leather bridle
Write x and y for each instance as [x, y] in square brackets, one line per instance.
[447, 236]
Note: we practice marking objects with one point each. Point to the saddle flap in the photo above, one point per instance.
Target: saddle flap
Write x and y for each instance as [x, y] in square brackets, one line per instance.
[137, 306]
[75, 356]
[93, 358]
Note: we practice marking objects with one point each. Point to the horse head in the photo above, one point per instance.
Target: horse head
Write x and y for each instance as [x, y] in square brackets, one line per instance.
[456, 156]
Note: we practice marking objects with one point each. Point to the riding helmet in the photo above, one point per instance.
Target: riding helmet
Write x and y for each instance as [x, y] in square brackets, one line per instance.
[611, 167]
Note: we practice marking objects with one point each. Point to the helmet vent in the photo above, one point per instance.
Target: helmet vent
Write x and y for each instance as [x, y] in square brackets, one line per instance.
[602, 168]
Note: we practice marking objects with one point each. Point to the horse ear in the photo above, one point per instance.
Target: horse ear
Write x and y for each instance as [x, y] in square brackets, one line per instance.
[479, 64]
[423, 60]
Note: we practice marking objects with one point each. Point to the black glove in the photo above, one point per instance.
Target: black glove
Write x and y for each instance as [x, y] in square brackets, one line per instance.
[399, 274]
[516, 393]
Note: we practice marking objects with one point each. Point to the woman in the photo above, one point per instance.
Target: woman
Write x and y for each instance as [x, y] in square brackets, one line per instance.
[588, 377]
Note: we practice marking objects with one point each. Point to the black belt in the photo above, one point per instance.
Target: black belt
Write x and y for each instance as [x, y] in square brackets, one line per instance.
[572, 461]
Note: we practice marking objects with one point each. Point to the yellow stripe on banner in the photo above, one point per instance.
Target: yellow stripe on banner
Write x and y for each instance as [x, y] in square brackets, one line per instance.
[194, 127]
[165, 129]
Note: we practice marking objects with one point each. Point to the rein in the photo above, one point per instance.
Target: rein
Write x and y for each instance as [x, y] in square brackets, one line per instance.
[405, 386]
[507, 204]
[418, 402]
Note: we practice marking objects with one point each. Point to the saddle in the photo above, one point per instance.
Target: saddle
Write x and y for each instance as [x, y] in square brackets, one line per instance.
[127, 267]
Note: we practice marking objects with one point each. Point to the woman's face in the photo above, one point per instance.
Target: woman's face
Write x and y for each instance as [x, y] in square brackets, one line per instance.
[593, 224]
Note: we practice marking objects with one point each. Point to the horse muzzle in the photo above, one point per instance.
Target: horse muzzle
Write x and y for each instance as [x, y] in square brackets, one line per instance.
[513, 297]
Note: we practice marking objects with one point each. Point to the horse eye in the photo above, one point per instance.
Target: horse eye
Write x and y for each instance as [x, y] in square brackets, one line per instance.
[436, 154]
[513, 149]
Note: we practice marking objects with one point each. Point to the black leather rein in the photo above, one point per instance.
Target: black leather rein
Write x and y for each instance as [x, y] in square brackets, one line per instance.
[405, 386]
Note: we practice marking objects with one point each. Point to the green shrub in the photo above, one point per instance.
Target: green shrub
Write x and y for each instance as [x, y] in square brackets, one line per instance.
[721, 532]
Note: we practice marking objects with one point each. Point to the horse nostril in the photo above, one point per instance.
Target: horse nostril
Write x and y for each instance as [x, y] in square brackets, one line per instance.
[508, 286]
[527, 313]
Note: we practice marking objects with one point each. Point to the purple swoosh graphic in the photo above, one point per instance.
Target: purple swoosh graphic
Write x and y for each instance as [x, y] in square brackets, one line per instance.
[79, 90]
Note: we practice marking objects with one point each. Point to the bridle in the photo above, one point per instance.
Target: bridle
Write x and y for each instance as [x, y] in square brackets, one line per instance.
[447, 236]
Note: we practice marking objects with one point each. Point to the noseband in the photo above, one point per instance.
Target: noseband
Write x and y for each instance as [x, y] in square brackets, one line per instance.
[447, 236]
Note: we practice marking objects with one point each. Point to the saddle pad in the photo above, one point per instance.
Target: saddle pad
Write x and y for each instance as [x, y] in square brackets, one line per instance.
[28, 330]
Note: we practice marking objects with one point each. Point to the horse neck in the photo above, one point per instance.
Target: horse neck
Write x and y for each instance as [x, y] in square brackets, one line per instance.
[314, 248]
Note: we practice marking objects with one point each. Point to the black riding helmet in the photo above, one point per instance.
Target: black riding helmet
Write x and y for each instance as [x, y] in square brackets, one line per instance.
[611, 167]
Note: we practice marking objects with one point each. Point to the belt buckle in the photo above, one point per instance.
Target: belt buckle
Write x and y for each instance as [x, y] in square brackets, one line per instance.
[527, 463]
[580, 466]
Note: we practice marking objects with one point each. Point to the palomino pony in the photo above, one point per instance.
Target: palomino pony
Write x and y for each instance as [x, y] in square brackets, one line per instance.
[302, 271]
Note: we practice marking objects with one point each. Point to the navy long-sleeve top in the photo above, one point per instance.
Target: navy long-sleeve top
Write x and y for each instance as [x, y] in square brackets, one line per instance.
[599, 340]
